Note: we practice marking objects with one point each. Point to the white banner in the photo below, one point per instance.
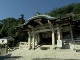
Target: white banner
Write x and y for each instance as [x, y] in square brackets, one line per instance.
[59, 43]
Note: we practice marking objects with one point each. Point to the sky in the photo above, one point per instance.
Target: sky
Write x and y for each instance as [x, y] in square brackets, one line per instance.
[14, 8]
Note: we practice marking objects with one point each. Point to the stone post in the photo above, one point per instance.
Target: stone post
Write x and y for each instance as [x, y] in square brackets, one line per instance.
[53, 39]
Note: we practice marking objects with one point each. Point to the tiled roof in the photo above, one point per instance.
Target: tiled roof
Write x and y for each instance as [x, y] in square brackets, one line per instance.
[37, 16]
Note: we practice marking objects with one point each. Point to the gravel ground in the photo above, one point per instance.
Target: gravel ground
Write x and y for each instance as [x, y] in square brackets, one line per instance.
[41, 55]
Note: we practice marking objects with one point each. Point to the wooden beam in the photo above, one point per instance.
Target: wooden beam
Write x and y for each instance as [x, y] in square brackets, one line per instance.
[27, 30]
[58, 20]
[45, 30]
[49, 22]
[30, 26]
[39, 21]
[66, 24]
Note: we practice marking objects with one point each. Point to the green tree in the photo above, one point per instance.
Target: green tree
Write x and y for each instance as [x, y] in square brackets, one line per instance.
[7, 28]
[71, 9]
[21, 19]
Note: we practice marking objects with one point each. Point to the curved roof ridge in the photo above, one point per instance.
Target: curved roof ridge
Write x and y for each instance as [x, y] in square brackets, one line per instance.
[42, 15]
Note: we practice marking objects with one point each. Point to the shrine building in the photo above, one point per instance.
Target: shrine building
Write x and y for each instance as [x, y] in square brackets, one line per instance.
[44, 31]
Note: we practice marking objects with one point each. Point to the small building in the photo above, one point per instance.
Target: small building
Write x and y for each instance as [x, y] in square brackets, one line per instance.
[3, 41]
[44, 31]
[8, 40]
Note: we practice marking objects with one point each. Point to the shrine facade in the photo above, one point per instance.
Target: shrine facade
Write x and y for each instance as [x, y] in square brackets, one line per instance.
[44, 30]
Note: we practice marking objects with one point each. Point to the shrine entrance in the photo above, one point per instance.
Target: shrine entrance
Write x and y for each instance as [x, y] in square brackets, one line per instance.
[46, 38]
[46, 30]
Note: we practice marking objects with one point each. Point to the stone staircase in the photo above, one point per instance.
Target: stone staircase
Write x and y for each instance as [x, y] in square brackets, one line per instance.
[54, 54]
[60, 54]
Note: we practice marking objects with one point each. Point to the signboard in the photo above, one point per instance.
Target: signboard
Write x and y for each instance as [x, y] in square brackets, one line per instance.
[59, 43]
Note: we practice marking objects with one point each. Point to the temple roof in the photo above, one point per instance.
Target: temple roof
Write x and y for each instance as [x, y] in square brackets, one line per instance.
[39, 16]
[44, 19]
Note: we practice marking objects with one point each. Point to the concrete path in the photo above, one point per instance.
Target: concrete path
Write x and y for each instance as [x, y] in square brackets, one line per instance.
[42, 55]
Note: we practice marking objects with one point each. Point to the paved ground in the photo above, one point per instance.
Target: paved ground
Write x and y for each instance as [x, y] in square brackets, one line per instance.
[41, 55]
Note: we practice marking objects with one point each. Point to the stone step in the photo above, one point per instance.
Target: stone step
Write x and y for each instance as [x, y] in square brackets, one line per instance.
[47, 54]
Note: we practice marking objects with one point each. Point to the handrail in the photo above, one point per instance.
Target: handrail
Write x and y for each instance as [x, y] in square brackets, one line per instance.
[77, 40]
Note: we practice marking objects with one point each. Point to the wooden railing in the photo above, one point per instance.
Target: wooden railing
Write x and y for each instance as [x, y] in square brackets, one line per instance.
[67, 41]
[76, 40]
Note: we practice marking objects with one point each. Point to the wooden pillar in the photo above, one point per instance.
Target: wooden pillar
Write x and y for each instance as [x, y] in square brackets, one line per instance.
[33, 41]
[29, 40]
[58, 33]
[71, 32]
[59, 41]
[53, 39]
[61, 34]
[38, 38]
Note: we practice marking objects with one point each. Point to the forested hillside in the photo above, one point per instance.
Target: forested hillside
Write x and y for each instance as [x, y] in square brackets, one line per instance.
[69, 10]
[7, 28]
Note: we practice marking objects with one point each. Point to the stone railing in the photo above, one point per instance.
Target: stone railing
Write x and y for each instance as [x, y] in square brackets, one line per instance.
[67, 44]
[72, 44]
[77, 43]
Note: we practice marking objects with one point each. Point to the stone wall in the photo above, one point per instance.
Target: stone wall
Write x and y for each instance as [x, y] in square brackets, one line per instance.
[3, 51]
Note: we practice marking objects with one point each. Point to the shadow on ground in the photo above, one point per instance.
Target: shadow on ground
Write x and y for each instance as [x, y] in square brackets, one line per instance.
[9, 57]
[53, 59]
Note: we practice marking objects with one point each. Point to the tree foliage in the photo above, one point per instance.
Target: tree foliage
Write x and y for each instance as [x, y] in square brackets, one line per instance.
[71, 9]
[7, 28]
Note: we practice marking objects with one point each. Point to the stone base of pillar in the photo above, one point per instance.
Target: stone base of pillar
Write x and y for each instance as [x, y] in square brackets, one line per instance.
[54, 48]
[29, 48]
[59, 48]
[33, 48]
